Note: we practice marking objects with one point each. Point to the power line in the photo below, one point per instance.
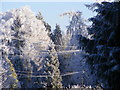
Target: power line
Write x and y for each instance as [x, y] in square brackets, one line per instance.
[67, 74]
[63, 51]
[77, 50]
[26, 74]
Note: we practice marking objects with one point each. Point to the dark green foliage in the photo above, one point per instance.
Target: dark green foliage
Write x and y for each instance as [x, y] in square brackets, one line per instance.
[104, 48]
[57, 37]
[48, 28]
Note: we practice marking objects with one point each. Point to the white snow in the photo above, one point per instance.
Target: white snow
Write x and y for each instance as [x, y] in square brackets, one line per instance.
[36, 37]
[75, 61]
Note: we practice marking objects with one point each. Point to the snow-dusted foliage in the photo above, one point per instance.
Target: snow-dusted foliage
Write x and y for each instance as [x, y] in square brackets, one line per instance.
[51, 69]
[57, 38]
[88, 56]
[77, 29]
[47, 26]
[77, 25]
[9, 76]
[24, 39]
[74, 61]
[104, 49]
[85, 87]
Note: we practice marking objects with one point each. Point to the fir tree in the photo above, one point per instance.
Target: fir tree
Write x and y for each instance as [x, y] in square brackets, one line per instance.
[22, 40]
[48, 29]
[57, 37]
[8, 73]
[50, 71]
[104, 54]
[16, 46]
[53, 79]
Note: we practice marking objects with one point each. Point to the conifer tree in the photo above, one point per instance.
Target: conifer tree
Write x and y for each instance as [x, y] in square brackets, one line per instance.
[57, 37]
[53, 79]
[23, 38]
[18, 43]
[8, 76]
[104, 54]
[48, 29]
[49, 70]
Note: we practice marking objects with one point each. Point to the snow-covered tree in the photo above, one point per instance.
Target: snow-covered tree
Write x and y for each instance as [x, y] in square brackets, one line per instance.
[105, 45]
[57, 37]
[76, 23]
[8, 76]
[24, 39]
[47, 70]
[76, 30]
[47, 26]
[74, 61]
[53, 79]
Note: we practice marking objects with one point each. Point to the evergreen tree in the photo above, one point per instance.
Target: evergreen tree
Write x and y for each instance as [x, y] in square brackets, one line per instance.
[18, 43]
[8, 76]
[47, 26]
[53, 79]
[105, 45]
[48, 29]
[57, 37]
[77, 30]
[22, 40]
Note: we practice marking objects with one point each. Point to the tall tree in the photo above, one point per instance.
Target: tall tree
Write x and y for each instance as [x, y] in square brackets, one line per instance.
[53, 79]
[77, 29]
[16, 52]
[8, 74]
[23, 39]
[57, 37]
[104, 54]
